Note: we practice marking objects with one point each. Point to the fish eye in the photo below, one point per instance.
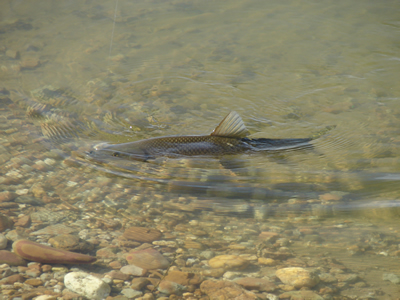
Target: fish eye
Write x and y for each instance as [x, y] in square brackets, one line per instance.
[116, 154]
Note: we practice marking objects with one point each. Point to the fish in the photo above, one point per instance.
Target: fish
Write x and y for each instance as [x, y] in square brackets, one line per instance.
[230, 137]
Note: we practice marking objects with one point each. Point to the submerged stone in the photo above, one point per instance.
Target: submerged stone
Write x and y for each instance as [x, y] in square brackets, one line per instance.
[11, 259]
[45, 254]
[149, 259]
[87, 285]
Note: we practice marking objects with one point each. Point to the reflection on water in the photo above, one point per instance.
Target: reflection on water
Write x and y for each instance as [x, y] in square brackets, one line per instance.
[75, 74]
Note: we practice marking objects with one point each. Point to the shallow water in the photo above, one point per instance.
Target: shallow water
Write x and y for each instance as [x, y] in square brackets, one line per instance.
[87, 73]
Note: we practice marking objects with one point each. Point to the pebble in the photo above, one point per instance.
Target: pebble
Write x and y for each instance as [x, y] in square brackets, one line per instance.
[228, 262]
[169, 287]
[225, 290]
[183, 278]
[5, 223]
[11, 259]
[65, 241]
[49, 255]
[3, 241]
[12, 54]
[7, 196]
[297, 277]
[133, 270]
[309, 295]
[139, 283]
[149, 259]
[142, 234]
[393, 278]
[131, 293]
[87, 285]
[258, 284]
[56, 229]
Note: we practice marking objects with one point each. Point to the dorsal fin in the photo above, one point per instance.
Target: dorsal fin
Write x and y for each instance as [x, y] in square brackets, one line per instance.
[231, 126]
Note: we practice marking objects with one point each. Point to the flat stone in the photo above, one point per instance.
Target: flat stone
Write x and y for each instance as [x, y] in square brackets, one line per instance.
[259, 284]
[118, 275]
[49, 255]
[139, 283]
[3, 241]
[393, 278]
[7, 196]
[87, 285]
[300, 295]
[169, 288]
[133, 270]
[34, 282]
[131, 293]
[29, 200]
[12, 54]
[24, 221]
[225, 290]
[297, 277]
[183, 278]
[12, 279]
[228, 262]
[142, 234]
[65, 241]
[149, 259]
[5, 223]
[11, 259]
[56, 229]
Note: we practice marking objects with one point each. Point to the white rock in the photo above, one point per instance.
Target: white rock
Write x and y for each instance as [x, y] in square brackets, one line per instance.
[87, 285]
[133, 270]
[131, 293]
[3, 242]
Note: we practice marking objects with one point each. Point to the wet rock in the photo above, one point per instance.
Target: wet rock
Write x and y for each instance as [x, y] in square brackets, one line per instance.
[183, 278]
[11, 259]
[5, 223]
[3, 241]
[149, 259]
[67, 242]
[56, 229]
[7, 196]
[225, 290]
[133, 270]
[12, 279]
[139, 283]
[169, 287]
[228, 262]
[34, 282]
[300, 295]
[142, 234]
[24, 221]
[393, 278]
[297, 277]
[258, 284]
[87, 285]
[45, 254]
[12, 54]
[266, 261]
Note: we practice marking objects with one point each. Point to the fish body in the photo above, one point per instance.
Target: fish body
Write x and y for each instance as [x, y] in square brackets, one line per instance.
[228, 138]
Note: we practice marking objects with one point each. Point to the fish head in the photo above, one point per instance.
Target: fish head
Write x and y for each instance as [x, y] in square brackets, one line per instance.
[126, 151]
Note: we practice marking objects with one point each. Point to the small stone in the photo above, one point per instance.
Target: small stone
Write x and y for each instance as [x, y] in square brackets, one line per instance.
[183, 278]
[297, 277]
[142, 234]
[149, 259]
[3, 241]
[258, 284]
[228, 262]
[34, 282]
[49, 255]
[266, 261]
[56, 229]
[12, 54]
[169, 287]
[133, 270]
[5, 223]
[216, 273]
[118, 275]
[7, 196]
[139, 283]
[131, 293]
[298, 295]
[29, 63]
[12, 279]
[208, 254]
[65, 241]
[24, 221]
[393, 278]
[87, 285]
[225, 290]
[11, 259]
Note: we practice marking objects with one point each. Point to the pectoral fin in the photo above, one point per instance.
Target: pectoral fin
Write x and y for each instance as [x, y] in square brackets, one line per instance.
[231, 126]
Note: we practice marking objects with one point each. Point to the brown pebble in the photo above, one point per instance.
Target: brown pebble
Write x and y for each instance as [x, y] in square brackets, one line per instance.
[5, 223]
[149, 259]
[34, 282]
[45, 254]
[139, 283]
[12, 279]
[7, 196]
[30, 63]
[12, 54]
[142, 234]
[183, 278]
[258, 284]
[11, 259]
[219, 290]
[116, 265]
[65, 241]
[24, 221]
[228, 262]
[46, 268]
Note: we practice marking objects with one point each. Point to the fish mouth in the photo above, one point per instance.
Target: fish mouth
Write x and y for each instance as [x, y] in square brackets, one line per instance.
[100, 146]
